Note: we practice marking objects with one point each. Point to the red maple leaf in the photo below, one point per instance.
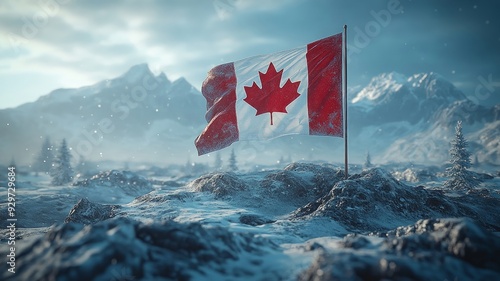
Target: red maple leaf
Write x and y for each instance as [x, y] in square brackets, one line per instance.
[271, 98]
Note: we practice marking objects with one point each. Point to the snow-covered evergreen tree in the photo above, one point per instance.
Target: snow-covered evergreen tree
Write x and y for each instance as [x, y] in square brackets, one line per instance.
[218, 162]
[368, 161]
[459, 175]
[44, 160]
[62, 172]
[232, 162]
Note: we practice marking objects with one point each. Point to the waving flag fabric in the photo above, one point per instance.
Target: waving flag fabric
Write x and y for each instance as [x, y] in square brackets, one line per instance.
[297, 91]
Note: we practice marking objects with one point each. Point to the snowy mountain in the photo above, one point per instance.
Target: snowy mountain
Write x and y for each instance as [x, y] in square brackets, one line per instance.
[411, 119]
[135, 117]
[140, 116]
[393, 97]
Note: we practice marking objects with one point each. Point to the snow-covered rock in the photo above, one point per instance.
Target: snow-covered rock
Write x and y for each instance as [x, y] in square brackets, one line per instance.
[220, 184]
[437, 249]
[296, 184]
[153, 197]
[124, 249]
[87, 212]
[254, 220]
[375, 200]
[130, 183]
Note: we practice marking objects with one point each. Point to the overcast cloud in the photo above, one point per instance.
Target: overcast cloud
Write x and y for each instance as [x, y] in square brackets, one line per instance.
[48, 44]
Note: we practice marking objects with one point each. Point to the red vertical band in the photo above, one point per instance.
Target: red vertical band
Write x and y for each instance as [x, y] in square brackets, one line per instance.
[324, 94]
[219, 89]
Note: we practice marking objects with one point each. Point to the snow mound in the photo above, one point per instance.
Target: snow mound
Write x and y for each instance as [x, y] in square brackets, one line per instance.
[220, 184]
[154, 197]
[297, 183]
[374, 200]
[300, 183]
[87, 212]
[440, 249]
[124, 249]
[129, 182]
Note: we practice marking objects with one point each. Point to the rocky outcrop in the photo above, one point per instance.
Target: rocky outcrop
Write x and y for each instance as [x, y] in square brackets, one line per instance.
[254, 220]
[220, 184]
[87, 212]
[437, 249]
[300, 182]
[124, 249]
[297, 183]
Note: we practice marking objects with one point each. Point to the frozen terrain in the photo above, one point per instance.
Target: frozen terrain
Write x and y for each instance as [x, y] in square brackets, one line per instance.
[300, 222]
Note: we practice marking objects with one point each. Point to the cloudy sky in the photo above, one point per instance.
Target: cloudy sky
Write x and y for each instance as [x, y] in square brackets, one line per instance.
[49, 44]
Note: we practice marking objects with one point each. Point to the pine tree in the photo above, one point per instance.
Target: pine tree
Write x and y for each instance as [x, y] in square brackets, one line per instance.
[218, 162]
[232, 162]
[459, 175]
[43, 162]
[368, 162]
[62, 172]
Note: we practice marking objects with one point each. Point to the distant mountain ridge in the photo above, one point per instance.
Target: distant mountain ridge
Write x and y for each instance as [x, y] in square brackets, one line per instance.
[407, 98]
[140, 116]
[417, 116]
[109, 119]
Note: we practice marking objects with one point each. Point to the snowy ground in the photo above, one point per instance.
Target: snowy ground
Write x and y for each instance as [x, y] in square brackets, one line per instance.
[281, 224]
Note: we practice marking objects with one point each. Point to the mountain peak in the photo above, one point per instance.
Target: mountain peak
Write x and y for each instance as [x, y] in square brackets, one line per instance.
[162, 76]
[392, 97]
[435, 86]
[379, 86]
[137, 71]
[422, 86]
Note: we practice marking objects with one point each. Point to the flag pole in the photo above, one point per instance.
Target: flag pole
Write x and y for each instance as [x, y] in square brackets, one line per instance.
[344, 90]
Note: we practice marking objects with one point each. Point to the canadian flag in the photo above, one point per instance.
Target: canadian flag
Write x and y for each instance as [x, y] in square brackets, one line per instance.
[297, 91]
